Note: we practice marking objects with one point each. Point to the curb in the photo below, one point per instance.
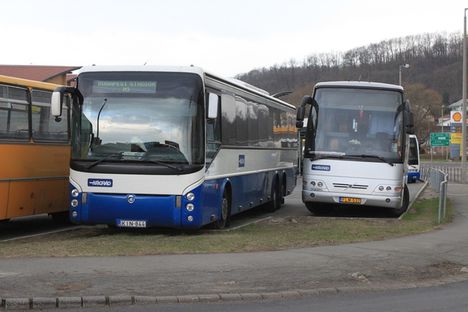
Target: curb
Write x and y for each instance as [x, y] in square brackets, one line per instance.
[39, 303]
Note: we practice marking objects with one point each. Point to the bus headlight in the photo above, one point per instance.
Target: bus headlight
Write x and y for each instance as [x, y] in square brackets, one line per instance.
[190, 207]
[190, 196]
[317, 185]
[75, 193]
[74, 203]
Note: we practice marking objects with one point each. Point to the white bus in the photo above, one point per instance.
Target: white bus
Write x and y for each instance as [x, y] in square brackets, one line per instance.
[174, 147]
[414, 173]
[356, 146]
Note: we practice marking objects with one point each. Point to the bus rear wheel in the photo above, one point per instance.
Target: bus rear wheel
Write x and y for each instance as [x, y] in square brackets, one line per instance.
[224, 214]
[276, 198]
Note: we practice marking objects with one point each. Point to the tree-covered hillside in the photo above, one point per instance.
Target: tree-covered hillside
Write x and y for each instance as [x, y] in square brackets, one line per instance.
[433, 80]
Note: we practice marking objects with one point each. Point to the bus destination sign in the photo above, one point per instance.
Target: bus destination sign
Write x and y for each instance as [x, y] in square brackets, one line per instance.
[127, 86]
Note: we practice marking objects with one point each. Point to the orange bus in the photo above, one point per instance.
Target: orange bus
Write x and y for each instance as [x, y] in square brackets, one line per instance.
[34, 151]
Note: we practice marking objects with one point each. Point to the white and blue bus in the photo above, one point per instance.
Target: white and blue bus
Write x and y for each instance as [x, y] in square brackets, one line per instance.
[414, 173]
[356, 146]
[174, 147]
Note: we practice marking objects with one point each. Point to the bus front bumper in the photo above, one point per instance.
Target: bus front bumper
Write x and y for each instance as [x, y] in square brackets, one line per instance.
[136, 210]
[393, 202]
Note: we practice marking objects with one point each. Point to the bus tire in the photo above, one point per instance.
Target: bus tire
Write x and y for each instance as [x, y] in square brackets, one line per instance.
[276, 198]
[60, 217]
[225, 212]
[316, 208]
[399, 211]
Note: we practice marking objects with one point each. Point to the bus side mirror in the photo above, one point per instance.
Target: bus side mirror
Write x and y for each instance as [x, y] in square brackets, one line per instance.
[300, 117]
[307, 99]
[301, 110]
[300, 113]
[213, 101]
[409, 122]
[56, 105]
[408, 117]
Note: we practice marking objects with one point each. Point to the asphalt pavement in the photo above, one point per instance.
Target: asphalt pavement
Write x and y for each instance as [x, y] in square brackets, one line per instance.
[428, 259]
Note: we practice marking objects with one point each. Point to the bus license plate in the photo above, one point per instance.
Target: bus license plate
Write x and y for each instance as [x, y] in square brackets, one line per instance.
[350, 200]
[131, 223]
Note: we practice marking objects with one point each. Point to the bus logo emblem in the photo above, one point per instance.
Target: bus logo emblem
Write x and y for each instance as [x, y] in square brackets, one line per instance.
[100, 182]
[241, 160]
[321, 167]
[131, 199]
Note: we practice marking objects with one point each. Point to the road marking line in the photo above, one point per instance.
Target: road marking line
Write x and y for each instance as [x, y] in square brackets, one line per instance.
[43, 233]
[246, 224]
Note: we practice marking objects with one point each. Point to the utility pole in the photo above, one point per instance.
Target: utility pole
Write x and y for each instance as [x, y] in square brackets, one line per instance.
[399, 72]
[463, 143]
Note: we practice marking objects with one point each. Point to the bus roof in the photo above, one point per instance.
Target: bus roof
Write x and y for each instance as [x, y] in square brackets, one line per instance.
[359, 84]
[142, 68]
[20, 82]
[184, 69]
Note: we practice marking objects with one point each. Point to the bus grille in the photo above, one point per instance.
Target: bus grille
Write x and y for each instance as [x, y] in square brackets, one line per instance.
[352, 186]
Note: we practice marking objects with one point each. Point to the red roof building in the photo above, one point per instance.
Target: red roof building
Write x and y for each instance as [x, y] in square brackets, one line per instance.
[52, 74]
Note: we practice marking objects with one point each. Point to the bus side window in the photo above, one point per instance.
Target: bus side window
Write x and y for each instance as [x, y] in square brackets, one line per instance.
[44, 126]
[14, 107]
[213, 134]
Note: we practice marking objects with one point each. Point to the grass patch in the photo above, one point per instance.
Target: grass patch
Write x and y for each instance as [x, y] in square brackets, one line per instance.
[273, 234]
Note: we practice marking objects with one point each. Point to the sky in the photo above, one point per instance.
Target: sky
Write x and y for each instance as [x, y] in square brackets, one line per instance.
[224, 37]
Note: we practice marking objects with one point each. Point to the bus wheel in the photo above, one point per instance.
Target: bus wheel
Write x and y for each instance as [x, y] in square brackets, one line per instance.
[223, 220]
[316, 208]
[60, 217]
[276, 198]
[398, 211]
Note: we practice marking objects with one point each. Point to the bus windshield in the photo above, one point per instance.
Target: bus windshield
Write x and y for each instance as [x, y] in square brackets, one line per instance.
[140, 117]
[357, 123]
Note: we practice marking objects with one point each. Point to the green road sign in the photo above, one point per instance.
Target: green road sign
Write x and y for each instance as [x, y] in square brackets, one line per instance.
[440, 139]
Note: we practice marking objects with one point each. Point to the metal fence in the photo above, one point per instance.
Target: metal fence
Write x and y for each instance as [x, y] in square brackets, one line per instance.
[454, 173]
[438, 180]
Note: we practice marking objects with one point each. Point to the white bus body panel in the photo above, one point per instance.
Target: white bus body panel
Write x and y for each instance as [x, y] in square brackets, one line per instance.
[354, 179]
[227, 161]
[138, 183]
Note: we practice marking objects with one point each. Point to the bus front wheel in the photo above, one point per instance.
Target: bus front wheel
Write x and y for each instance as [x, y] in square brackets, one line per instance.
[224, 214]
[317, 208]
[398, 211]
[60, 217]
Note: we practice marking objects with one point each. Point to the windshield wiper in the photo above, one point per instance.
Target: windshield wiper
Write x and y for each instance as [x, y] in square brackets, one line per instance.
[108, 157]
[162, 163]
[373, 157]
[327, 157]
